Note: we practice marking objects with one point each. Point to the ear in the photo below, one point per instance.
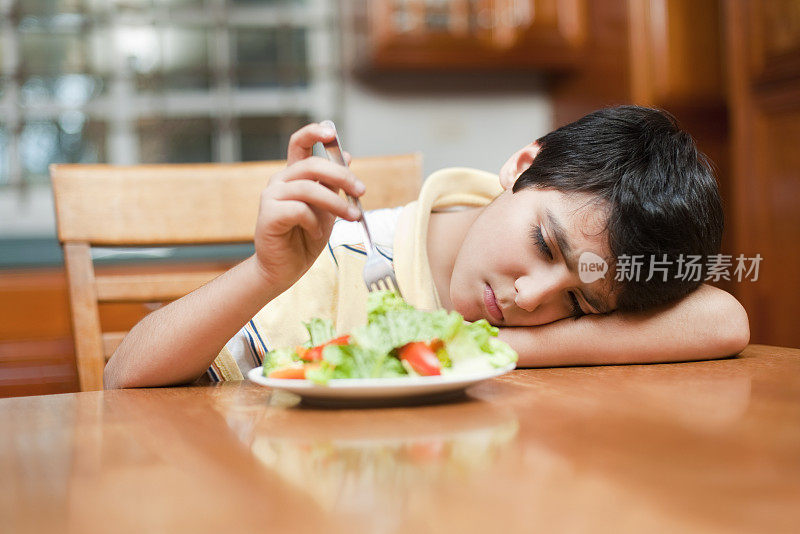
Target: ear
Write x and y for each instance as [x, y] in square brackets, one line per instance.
[517, 164]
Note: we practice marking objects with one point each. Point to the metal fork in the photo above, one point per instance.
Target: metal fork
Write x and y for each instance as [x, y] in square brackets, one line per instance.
[378, 271]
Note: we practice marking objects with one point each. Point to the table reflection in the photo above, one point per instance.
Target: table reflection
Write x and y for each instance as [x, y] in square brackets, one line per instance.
[374, 465]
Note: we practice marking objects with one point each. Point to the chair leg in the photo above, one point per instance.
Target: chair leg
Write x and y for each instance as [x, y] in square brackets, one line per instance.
[85, 315]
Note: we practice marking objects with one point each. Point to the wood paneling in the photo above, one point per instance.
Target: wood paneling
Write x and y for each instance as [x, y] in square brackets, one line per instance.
[34, 304]
[772, 31]
[37, 352]
[764, 39]
[38, 366]
[603, 76]
[676, 53]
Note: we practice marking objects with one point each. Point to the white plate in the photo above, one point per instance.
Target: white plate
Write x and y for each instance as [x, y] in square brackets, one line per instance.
[350, 391]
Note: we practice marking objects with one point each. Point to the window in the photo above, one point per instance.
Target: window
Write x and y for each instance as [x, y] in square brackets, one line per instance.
[261, 138]
[275, 57]
[156, 81]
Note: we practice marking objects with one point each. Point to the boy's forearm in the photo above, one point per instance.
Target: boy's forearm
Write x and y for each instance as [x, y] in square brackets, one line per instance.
[178, 342]
[709, 323]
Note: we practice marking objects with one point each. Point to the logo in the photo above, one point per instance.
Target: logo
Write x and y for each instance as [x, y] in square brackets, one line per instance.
[591, 267]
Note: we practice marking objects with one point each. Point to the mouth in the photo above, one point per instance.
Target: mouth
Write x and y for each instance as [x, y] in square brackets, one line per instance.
[490, 303]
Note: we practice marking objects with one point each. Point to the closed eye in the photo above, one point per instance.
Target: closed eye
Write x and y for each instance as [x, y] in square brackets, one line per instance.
[575, 305]
[538, 240]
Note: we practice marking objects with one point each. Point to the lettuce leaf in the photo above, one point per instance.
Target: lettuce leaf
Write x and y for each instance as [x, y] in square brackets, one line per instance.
[319, 331]
[278, 359]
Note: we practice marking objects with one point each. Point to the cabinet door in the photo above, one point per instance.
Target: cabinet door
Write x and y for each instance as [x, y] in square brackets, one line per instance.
[469, 35]
[764, 42]
[774, 42]
[676, 53]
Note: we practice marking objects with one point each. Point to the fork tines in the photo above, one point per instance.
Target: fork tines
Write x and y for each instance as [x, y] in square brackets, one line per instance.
[385, 284]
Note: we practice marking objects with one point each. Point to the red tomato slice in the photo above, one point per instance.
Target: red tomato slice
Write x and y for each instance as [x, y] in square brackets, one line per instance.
[421, 358]
[314, 354]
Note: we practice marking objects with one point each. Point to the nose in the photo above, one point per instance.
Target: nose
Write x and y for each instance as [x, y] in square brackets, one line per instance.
[533, 292]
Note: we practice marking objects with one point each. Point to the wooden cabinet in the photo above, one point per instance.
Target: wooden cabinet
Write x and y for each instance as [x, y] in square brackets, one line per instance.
[36, 350]
[469, 35]
[764, 64]
[661, 53]
[676, 53]
[772, 31]
[37, 353]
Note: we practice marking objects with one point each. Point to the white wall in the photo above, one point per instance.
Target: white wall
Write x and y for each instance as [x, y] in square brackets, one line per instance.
[472, 130]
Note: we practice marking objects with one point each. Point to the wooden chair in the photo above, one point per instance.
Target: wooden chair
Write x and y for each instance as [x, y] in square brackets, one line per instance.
[171, 205]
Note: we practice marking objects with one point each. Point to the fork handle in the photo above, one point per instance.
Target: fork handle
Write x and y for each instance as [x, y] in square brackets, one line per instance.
[333, 150]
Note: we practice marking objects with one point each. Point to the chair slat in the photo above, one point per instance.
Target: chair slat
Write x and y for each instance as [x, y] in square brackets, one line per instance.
[391, 180]
[205, 203]
[150, 287]
[158, 204]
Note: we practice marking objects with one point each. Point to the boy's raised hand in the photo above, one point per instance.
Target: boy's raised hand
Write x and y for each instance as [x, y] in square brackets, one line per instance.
[298, 208]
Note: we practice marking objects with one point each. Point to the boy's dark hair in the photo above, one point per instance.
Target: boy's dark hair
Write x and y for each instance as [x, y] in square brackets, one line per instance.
[659, 191]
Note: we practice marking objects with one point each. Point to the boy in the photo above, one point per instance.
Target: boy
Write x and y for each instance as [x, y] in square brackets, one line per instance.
[617, 184]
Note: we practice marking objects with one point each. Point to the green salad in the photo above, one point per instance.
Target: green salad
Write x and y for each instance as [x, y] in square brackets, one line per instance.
[398, 340]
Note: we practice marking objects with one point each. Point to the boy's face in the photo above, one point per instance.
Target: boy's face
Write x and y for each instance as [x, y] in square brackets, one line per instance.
[504, 274]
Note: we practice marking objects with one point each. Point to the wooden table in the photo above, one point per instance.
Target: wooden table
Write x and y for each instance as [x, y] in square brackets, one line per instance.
[693, 447]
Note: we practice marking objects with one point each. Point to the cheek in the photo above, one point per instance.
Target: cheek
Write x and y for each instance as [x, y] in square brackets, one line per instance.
[459, 279]
[465, 283]
[490, 251]
[465, 302]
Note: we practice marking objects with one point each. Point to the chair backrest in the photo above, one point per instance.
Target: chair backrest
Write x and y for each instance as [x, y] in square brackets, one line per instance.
[174, 204]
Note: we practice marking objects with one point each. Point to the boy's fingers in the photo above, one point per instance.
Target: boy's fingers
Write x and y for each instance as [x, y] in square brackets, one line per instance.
[347, 157]
[330, 174]
[301, 143]
[318, 196]
[291, 213]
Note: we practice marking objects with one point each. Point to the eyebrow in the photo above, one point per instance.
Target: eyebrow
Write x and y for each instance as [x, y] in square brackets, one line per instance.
[560, 235]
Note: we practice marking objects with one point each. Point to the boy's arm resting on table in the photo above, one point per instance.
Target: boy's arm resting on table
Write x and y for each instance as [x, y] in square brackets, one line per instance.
[708, 323]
